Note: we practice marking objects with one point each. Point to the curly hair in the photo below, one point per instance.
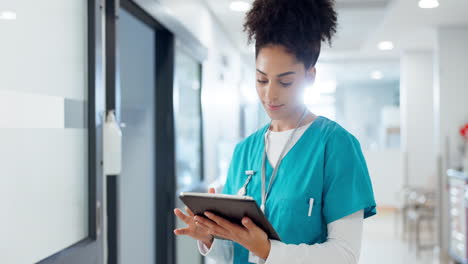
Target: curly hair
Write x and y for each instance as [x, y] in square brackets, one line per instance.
[298, 25]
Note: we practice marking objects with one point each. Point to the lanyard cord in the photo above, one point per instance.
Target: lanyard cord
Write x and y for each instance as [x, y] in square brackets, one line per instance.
[265, 191]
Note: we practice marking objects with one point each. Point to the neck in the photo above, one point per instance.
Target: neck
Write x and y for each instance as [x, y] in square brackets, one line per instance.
[291, 122]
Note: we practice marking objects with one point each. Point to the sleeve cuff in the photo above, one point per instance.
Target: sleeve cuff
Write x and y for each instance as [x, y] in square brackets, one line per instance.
[203, 249]
[275, 251]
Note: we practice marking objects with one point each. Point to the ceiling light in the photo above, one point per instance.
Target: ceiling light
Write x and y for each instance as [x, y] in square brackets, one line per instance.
[7, 15]
[239, 6]
[385, 45]
[428, 4]
[377, 75]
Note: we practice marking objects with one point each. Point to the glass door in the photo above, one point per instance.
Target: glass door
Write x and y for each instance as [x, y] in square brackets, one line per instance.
[189, 143]
[137, 65]
[139, 89]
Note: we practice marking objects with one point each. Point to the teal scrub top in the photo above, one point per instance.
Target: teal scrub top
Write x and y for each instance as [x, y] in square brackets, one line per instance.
[325, 164]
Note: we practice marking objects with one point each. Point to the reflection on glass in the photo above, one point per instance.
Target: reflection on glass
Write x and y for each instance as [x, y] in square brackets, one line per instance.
[187, 121]
[370, 111]
[187, 111]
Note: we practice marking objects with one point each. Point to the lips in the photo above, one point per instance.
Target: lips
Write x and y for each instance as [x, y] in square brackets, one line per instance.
[274, 107]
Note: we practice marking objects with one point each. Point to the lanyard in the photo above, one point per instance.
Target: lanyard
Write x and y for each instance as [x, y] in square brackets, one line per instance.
[265, 191]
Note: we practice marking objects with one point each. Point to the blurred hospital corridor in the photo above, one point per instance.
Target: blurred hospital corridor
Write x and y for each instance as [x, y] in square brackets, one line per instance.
[383, 243]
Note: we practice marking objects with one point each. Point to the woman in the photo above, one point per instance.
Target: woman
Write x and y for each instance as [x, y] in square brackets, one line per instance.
[310, 176]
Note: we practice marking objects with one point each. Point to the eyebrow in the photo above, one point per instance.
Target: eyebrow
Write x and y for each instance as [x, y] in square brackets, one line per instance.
[279, 75]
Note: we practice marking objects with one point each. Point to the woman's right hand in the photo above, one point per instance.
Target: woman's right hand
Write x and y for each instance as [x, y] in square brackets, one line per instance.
[193, 230]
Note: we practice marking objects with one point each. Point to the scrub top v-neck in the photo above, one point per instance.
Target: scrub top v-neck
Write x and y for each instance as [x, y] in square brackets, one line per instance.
[325, 165]
[278, 139]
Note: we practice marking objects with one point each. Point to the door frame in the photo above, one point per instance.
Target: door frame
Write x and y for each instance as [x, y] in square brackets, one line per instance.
[91, 249]
[170, 34]
[164, 136]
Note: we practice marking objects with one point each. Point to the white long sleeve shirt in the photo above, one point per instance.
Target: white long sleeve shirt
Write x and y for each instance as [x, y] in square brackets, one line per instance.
[343, 244]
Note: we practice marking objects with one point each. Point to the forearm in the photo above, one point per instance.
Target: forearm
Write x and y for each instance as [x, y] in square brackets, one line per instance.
[342, 246]
[329, 252]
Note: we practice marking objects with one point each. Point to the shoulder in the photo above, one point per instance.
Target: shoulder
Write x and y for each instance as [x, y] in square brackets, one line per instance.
[335, 134]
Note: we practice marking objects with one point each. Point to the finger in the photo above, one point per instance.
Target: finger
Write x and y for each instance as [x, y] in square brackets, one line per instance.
[182, 231]
[182, 216]
[221, 221]
[212, 190]
[250, 225]
[206, 222]
[189, 211]
[212, 231]
[202, 225]
[210, 225]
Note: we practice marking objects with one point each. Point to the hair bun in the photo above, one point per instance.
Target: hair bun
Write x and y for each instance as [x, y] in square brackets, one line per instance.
[299, 25]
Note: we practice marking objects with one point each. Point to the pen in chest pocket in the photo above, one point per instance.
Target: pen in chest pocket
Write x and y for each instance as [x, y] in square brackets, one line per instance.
[311, 205]
[243, 190]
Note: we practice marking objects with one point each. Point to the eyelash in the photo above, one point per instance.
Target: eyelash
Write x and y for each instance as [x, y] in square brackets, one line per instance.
[283, 84]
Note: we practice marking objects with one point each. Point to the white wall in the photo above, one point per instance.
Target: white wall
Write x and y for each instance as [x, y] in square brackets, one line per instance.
[417, 120]
[43, 157]
[386, 171]
[451, 90]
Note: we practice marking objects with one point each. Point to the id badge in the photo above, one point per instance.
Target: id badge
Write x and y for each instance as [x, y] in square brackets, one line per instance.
[252, 258]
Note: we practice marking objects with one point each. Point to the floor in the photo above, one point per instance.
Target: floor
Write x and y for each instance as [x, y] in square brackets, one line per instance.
[382, 244]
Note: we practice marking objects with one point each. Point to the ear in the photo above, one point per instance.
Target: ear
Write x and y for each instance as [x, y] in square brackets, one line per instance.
[310, 74]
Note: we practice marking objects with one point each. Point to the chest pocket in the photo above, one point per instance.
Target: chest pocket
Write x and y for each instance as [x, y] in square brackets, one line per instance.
[301, 220]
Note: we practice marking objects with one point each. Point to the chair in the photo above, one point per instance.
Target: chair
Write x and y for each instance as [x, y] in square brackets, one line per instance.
[422, 211]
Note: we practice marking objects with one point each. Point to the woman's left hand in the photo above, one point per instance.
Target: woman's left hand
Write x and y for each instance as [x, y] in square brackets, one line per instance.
[249, 235]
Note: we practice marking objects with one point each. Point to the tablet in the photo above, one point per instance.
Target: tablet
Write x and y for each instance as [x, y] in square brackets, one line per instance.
[230, 207]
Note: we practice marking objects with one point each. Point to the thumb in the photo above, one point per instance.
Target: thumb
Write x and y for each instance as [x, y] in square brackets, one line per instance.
[212, 190]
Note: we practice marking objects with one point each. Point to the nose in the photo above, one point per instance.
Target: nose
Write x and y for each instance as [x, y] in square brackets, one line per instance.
[271, 94]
